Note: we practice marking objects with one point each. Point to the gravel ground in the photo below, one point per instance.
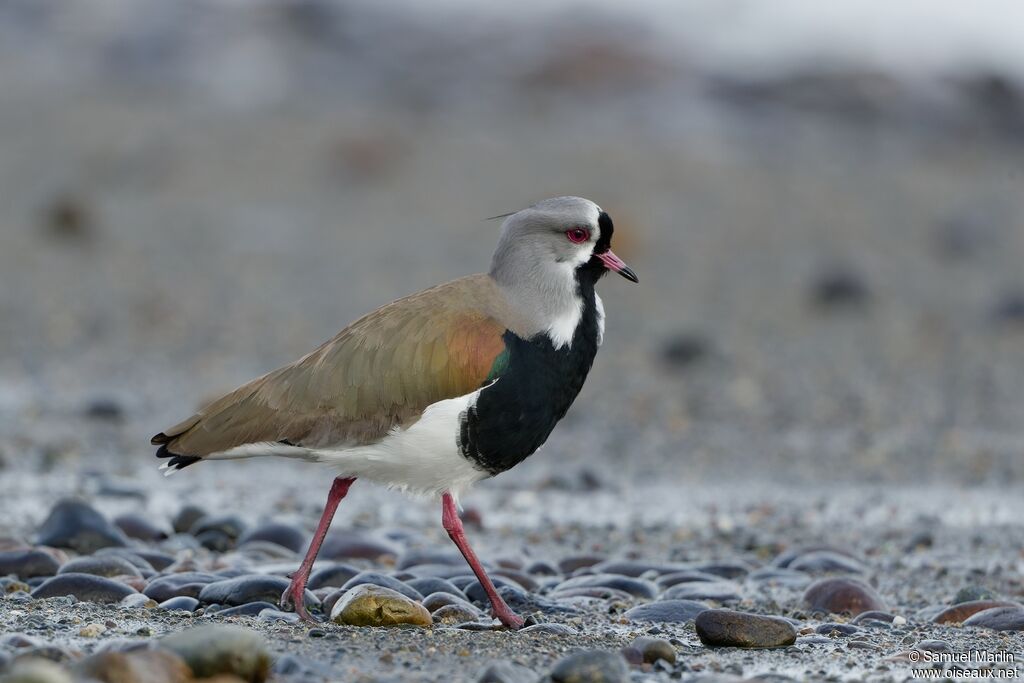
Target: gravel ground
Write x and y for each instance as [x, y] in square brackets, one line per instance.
[826, 348]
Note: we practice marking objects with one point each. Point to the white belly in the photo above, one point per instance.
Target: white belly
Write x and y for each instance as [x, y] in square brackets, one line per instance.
[424, 458]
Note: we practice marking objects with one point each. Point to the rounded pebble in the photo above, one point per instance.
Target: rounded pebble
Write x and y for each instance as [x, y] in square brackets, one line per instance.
[654, 649]
[222, 649]
[284, 535]
[181, 602]
[667, 611]
[727, 628]
[76, 525]
[372, 605]
[28, 563]
[999, 619]
[332, 576]
[591, 666]
[636, 587]
[962, 612]
[378, 579]
[107, 566]
[842, 596]
[84, 587]
[249, 588]
[185, 584]
[719, 591]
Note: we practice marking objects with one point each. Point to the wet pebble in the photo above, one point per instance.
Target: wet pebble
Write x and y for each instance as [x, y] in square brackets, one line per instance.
[84, 587]
[332, 576]
[636, 568]
[372, 605]
[832, 628]
[542, 568]
[222, 649]
[548, 629]
[145, 561]
[284, 535]
[249, 609]
[186, 518]
[149, 666]
[654, 649]
[436, 601]
[99, 565]
[185, 584]
[591, 666]
[827, 562]
[636, 587]
[842, 596]
[965, 610]
[689, 576]
[779, 576]
[727, 628]
[570, 564]
[182, 602]
[999, 619]
[378, 579]
[27, 563]
[965, 594]
[249, 588]
[668, 611]
[506, 672]
[720, 591]
[429, 585]
[76, 525]
[456, 613]
[139, 527]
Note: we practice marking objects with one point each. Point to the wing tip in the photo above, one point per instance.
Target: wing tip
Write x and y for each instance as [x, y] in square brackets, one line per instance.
[176, 462]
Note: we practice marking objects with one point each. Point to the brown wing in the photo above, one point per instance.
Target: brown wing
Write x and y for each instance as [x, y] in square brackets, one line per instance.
[379, 372]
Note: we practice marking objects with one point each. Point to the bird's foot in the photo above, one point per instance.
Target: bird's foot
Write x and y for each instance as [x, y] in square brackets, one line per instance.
[509, 618]
[287, 600]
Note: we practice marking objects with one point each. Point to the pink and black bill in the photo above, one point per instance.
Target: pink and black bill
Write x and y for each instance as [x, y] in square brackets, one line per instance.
[603, 250]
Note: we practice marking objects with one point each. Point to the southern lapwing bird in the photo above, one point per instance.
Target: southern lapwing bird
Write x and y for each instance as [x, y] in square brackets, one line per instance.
[435, 391]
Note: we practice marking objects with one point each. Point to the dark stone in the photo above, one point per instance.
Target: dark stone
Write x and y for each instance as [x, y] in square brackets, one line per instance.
[839, 287]
[520, 578]
[636, 568]
[1008, 310]
[721, 591]
[378, 579]
[570, 564]
[222, 649]
[598, 592]
[27, 563]
[653, 649]
[591, 666]
[522, 602]
[635, 587]
[215, 540]
[137, 526]
[965, 594]
[506, 672]
[185, 584]
[873, 615]
[283, 535]
[785, 558]
[689, 576]
[249, 609]
[429, 585]
[436, 601]
[542, 568]
[458, 613]
[74, 524]
[779, 576]
[826, 562]
[548, 629]
[931, 645]
[186, 518]
[726, 628]
[999, 619]
[842, 596]
[332, 576]
[108, 566]
[249, 588]
[668, 611]
[231, 526]
[726, 570]
[838, 629]
[962, 612]
[84, 587]
[182, 602]
[346, 544]
[442, 571]
[685, 349]
[140, 559]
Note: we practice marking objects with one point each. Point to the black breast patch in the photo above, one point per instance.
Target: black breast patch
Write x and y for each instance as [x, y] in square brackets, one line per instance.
[514, 416]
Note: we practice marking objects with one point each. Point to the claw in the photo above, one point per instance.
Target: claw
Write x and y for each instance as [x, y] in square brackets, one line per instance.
[287, 601]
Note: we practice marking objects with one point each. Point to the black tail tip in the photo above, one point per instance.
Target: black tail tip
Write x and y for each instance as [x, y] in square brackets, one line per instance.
[176, 462]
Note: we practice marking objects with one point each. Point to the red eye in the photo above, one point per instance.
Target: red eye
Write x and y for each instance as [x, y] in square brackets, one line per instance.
[578, 235]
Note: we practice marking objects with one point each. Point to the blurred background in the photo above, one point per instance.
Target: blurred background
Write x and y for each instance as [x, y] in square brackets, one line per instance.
[823, 202]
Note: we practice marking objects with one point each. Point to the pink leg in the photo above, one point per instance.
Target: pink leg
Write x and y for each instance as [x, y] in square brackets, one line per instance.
[295, 593]
[453, 525]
